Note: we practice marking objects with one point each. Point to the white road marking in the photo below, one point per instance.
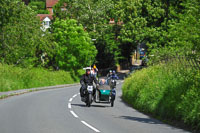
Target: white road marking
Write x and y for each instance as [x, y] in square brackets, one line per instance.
[69, 105]
[72, 112]
[76, 116]
[122, 81]
[117, 83]
[70, 99]
[96, 130]
[74, 95]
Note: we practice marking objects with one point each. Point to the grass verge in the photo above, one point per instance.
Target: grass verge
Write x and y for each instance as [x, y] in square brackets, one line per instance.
[15, 78]
[167, 91]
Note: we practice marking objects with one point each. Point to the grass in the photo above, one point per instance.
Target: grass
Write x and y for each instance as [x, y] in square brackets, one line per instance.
[168, 91]
[15, 78]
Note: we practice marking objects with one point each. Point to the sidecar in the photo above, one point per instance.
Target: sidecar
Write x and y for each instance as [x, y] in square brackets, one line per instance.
[105, 94]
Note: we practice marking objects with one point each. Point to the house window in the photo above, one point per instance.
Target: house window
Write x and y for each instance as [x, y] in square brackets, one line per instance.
[46, 23]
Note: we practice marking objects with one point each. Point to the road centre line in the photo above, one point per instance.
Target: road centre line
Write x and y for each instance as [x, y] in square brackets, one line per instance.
[91, 127]
[74, 95]
[69, 105]
[70, 99]
[72, 112]
[76, 116]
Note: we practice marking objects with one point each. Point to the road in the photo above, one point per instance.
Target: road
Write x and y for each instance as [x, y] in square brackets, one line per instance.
[61, 111]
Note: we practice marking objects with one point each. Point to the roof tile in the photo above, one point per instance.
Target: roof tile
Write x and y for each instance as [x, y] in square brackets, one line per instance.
[43, 16]
[51, 3]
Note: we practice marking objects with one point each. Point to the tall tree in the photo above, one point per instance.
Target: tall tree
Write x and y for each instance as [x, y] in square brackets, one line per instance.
[20, 36]
[94, 15]
[158, 24]
[74, 46]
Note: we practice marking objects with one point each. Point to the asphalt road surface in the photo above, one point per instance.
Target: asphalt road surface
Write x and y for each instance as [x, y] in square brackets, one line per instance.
[61, 111]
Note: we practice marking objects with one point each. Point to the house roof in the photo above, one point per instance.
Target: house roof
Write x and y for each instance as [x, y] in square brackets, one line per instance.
[51, 3]
[43, 16]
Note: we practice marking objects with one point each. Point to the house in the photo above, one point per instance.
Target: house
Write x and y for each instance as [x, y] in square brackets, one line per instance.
[46, 18]
[50, 4]
[46, 21]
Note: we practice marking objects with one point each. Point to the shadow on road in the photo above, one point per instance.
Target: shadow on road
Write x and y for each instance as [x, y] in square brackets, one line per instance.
[78, 105]
[138, 119]
[83, 105]
[143, 120]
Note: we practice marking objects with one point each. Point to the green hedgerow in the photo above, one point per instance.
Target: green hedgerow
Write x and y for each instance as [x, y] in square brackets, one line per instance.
[169, 91]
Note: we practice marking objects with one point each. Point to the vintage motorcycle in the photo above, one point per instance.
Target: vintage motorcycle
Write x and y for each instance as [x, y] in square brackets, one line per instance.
[88, 95]
[105, 93]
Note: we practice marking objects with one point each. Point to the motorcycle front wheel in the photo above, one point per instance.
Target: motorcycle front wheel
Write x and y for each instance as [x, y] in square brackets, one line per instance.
[89, 101]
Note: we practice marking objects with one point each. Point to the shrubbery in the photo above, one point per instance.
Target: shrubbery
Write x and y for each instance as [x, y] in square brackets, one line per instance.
[169, 91]
[14, 78]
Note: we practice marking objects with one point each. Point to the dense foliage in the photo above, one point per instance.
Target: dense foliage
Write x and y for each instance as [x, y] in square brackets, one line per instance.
[74, 48]
[167, 26]
[168, 91]
[94, 15]
[67, 46]
[21, 39]
[39, 7]
[170, 28]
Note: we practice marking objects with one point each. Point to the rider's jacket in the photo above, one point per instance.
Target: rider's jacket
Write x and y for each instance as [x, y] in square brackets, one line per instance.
[88, 80]
[112, 76]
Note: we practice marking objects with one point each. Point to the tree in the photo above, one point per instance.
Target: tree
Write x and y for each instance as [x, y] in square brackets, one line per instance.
[165, 26]
[21, 40]
[74, 46]
[94, 15]
[39, 7]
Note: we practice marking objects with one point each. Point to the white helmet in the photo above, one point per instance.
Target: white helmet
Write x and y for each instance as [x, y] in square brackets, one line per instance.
[87, 68]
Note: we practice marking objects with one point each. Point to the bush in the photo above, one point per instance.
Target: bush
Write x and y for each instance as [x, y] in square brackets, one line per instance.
[14, 78]
[168, 91]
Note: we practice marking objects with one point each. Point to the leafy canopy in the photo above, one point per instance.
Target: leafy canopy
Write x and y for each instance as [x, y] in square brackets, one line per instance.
[74, 46]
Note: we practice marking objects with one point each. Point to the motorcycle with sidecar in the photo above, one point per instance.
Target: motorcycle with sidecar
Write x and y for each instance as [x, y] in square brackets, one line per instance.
[105, 93]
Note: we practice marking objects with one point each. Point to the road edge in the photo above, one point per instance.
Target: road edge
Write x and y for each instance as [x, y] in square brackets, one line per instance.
[4, 95]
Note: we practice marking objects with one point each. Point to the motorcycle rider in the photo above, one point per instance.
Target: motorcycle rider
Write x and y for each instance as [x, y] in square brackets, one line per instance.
[114, 75]
[87, 79]
[108, 76]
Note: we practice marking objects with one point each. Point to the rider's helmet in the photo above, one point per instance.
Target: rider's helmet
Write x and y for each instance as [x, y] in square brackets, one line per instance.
[110, 71]
[113, 71]
[87, 69]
